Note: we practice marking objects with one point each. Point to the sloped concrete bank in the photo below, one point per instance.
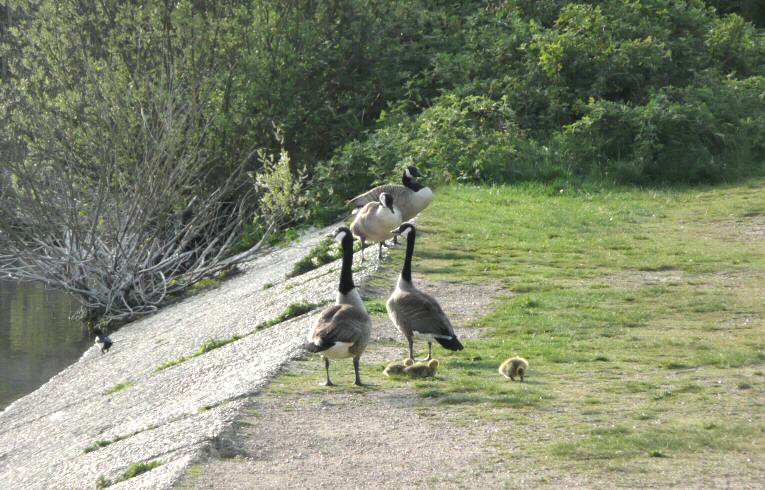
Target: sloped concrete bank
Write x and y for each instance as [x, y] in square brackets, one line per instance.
[141, 414]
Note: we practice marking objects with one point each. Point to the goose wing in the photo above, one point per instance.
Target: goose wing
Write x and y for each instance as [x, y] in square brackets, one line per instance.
[397, 191]
[369, 209]
[341, 323]
[422, 313]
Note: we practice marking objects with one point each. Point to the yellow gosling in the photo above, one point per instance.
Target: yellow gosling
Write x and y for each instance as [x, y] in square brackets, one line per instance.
[422, 370]
[397, 368]
[515, 366]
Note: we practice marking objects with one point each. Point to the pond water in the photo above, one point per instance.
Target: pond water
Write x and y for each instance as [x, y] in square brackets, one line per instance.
[38, 338]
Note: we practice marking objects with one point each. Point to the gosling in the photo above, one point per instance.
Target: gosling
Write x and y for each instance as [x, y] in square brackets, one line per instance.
[397, 368]
[422, 370]
[516, 366]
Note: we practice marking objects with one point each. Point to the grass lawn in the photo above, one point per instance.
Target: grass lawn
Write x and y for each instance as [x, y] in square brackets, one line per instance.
[642, 315]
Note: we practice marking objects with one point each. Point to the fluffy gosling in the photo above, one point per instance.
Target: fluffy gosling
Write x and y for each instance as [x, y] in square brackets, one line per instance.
[397, 368]
[515, 366]
[422, 370]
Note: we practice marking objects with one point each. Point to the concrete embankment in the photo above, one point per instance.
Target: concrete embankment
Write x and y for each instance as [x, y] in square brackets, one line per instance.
[139, 414]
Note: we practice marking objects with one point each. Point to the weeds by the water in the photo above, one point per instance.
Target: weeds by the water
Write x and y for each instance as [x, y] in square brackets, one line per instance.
[292, 311]
[324, 252]
[120, 387]
[133, 470]
[207, 346]
[103, 443]
[97, 445]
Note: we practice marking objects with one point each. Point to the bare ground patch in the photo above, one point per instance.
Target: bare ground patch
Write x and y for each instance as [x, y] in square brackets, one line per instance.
[347, 437]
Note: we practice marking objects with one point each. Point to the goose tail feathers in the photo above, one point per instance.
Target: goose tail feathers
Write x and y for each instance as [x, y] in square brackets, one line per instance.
[313, 347]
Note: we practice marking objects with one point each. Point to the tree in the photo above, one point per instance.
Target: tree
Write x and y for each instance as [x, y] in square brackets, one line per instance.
[122, 238]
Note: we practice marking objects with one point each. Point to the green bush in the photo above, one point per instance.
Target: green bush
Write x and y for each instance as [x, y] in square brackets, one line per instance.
[695, 134]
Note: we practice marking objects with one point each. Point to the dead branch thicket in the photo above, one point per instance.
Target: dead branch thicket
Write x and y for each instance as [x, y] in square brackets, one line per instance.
[123, 231]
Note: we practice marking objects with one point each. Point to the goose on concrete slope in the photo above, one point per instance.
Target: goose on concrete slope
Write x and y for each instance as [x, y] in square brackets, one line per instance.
[375, 221]
[410, 198]
[102, 340]
[415, 312]
[342, 330]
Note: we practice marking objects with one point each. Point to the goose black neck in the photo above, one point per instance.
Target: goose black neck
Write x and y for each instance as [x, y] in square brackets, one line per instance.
[409, 183]
[406, 272]
[346, 273]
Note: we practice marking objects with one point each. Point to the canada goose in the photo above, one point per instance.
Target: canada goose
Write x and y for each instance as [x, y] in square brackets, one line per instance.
[422, 369]
[397, 368]
[415, 312]
[375, 221]
[102, 340]
[516, 366]
[342, 330]
[410, 198]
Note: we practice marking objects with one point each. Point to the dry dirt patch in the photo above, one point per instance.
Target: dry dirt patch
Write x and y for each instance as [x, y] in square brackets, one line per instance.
[345, 437]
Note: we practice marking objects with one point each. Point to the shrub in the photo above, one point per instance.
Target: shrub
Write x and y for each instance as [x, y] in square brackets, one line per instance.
[695, 134]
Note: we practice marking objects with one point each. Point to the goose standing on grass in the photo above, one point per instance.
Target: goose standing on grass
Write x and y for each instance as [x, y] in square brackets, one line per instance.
[410, 198]
[375, 221]
[415, 312]
[102, 340]
[342, 330]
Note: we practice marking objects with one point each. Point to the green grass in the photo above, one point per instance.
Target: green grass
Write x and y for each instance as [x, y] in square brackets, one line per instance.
[376, 307]
[324, 252]
[97, 445]
[103, 443]
[120, 387]
[207, 346]
[133, 470]
[292, 311]
[630, 305]
[639, 311]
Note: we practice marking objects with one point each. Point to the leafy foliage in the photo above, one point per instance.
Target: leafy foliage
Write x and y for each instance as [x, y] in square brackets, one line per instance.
[324, 252]
[320, 100]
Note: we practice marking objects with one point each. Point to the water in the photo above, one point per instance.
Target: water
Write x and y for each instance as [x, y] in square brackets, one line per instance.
[37, 337]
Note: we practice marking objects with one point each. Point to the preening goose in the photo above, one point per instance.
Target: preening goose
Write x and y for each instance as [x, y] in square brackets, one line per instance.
[410, 198]
[375, 222]
[342, 330]
[102, 340]
[415, 312]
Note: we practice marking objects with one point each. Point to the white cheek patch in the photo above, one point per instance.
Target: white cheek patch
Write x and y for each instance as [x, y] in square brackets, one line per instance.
[340, 236]
[406, 231]
[408, 173]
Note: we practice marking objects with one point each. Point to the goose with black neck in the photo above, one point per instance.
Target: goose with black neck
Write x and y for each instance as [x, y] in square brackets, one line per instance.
[342, 330]
[410, 198]
[415, 312]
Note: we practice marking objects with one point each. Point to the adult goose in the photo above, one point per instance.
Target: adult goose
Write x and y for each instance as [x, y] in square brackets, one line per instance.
[415, 312]
[375, 221]
[410, 198]
[342, 330]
